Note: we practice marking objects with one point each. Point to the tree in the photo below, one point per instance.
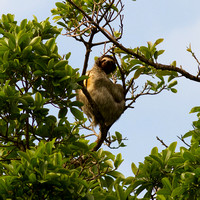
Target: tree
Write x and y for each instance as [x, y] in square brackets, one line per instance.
[44, 156]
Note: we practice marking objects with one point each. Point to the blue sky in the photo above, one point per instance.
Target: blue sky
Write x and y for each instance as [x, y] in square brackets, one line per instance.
[165, 115]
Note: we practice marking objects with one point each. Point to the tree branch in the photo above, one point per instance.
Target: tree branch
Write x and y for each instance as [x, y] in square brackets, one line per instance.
[161, 141]
[136, 55]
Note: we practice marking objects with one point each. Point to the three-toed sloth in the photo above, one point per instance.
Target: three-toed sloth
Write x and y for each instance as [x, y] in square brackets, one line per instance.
[108, 96]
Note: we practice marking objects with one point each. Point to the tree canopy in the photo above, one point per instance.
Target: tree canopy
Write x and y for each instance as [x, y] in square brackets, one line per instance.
[44, 156]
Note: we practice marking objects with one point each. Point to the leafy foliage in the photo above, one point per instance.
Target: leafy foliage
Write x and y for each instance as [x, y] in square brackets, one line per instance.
[43, 156]
[171, 174]
[49, 172]
[137, 68]
[33, 75]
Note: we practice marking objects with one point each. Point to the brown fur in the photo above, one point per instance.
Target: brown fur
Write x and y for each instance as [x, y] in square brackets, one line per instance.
[108, 96]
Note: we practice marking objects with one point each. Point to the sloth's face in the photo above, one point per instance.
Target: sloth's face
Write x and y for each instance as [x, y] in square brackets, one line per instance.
[107, 64]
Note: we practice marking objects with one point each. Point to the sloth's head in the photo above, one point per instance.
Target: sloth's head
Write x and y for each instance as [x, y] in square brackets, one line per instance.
[106, 63]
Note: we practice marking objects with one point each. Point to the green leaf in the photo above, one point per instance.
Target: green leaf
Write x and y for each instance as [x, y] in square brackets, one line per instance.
[174, 90]
[139, 72]
[12, 39]
[81, 145]
[38, 99]
[145, 51]
[29, 99]
[188, 134]
[172, 147]
[118, 160]
[156, 158]
[117, 34]
[195, 109]
[166, 183]
[61, 64]
[68, 70]
[51, 63]
[56, 18]
[116, 174]
[100, 151]
[109, 163]
[166, 155]
[60, 23]
[26, 51]
[24, 155]
[62, 112]
[109, 181]
[50, 43]
[170, 78]
[3, 186]
[76, 103]
[189, 49]
[23, 117]
[38, 72]
[57, 159]
[160, 197]
[172, 84]
[49, 146]
[158, 41]
[21, 37]
[189, 156]
[68, 55]
[23, 23]
[60, 5]
[120, 192]
[118, 136]
[3, 49]
[165, 192]
[24, 102]
[154, 151]
[10, 17]
[160, 52]
[135, 62]
[77, 113]
[177, 191]
[173, 64]
[65, 78]
[134, 168]
[32, 177]
[82, 78]
[2, 31]
[35, 41]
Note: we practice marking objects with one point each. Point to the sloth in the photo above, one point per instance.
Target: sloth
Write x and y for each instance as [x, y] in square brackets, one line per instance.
[108, 96]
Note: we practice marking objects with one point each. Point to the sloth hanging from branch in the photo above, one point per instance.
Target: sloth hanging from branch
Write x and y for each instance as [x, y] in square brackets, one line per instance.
[108, 96]
[103, 100]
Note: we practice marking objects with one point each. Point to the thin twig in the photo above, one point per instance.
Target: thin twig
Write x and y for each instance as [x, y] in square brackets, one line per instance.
[183, 141]
[161, 141]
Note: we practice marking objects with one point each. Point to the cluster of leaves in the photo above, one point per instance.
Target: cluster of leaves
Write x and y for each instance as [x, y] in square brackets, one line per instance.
[74, 19]
[169, 174]
[33, 75]
[43, 156]
[49, 172]
[134, 68]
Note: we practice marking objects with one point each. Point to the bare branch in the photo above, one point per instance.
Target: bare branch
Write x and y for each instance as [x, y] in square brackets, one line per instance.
[145, 91]
[181, 138]
[161, 141]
